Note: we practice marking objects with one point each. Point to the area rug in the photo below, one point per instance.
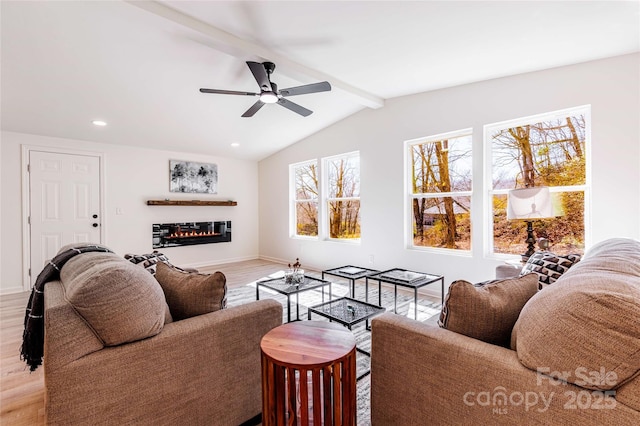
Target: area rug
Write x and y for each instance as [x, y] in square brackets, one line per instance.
[405, 307]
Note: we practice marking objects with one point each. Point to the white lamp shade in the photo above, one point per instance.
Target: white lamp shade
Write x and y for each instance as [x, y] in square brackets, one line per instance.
[529, 203]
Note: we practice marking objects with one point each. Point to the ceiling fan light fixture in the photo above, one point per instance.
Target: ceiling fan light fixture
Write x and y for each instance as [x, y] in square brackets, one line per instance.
[269, 97]
[269, 93]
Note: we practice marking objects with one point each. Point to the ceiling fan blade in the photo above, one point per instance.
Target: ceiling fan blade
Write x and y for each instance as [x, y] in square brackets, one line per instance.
[323, 86]
[228, 92]
[260, 74]
[254, 108]
[295, 107]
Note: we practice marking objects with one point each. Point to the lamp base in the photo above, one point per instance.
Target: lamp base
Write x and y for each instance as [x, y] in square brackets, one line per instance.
[531, 243]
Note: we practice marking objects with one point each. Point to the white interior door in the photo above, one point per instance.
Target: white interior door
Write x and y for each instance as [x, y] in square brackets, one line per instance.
[64, 204]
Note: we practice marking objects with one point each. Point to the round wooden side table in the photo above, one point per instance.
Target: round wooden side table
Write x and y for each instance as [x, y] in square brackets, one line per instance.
[309, 375]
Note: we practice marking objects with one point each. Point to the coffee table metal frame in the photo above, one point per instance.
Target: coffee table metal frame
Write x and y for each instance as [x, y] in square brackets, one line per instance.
[415, 285]
[342, 273]
[338, 310]
[280, 286]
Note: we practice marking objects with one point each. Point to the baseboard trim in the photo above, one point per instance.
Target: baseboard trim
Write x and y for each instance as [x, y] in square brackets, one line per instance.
[12, 290]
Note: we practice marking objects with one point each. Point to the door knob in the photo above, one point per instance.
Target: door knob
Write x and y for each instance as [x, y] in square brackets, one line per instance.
[95, 225]
[95, 216]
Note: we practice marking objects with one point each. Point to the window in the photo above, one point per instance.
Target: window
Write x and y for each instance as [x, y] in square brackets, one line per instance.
[339, 218]
[547, 150]
[305, 198]
[343, 195]
[440, 190]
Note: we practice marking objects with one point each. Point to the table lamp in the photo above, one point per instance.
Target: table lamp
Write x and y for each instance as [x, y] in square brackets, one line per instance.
[529, 204]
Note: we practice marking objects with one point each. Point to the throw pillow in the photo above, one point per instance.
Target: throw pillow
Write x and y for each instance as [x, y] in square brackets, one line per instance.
[119, 301]
[548, 266]
[489, 310]
[189, 294]
[148, 261]
[586, 327]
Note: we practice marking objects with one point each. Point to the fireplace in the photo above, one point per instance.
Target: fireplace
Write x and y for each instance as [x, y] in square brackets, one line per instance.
[190, 233]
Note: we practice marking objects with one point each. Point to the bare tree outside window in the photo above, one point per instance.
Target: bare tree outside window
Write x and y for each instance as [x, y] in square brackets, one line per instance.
[441, 191]
[545, 152]
[306, 199]
[343, 198]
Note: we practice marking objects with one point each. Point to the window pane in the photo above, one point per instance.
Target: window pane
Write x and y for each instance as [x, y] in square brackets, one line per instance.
[344, 219]
[442, 166]
[543, 152]
[344, 177]
[547, 153]
[565, 233]
[306, 179]
[307, 218]
[442, 222]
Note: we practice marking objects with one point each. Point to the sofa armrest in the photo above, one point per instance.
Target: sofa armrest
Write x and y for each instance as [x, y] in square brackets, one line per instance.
[419, 372]
[201, 370]
[67, 335]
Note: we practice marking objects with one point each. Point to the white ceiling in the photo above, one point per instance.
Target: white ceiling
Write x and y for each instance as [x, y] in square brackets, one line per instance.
[139, 65]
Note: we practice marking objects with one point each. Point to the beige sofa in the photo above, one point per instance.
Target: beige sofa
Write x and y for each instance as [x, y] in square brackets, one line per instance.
[574, 357]
[113, 356]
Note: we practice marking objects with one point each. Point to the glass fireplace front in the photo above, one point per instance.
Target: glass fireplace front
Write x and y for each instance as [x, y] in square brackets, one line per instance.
[190, 233]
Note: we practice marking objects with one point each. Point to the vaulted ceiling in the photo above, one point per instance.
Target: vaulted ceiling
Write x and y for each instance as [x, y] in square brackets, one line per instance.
[138, 65]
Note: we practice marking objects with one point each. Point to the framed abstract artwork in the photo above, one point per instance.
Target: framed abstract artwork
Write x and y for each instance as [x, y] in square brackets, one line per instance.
[190, 177]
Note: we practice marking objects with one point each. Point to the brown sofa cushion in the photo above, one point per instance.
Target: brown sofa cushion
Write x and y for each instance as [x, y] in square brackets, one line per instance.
[119, 301]
[487, 311]
[548, 266]
[588, 322]
[629, 394]
[189, 294]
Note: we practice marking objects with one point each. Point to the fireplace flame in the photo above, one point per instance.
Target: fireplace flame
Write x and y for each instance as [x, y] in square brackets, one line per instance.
[193, 234]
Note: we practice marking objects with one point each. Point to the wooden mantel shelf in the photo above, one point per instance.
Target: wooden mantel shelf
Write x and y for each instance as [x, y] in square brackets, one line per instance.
[190, 203]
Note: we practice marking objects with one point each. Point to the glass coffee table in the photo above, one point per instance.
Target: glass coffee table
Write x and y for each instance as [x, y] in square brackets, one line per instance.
[348, 312]
[351, 273]
[288, 289]
[408, 279]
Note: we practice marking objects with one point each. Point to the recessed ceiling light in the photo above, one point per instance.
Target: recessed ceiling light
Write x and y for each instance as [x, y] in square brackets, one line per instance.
[99, 123]
[235, 144]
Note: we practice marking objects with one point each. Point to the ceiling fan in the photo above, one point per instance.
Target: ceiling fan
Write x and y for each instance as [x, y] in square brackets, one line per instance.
[269, 93]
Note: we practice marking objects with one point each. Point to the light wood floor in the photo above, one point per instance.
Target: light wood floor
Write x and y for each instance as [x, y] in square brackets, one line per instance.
[22, 392]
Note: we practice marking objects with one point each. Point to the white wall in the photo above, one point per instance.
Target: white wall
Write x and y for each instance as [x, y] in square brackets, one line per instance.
[610, 86]
[133, 176]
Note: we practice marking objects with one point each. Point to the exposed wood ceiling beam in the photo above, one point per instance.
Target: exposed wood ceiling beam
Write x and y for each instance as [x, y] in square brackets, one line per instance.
[237, 44]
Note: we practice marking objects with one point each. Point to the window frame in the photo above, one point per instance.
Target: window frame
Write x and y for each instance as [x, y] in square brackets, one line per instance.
[487, 209]
[326, 217]
[294, 201]
[409, 195]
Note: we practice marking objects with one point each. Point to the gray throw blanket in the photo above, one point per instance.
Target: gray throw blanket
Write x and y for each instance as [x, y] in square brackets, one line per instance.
[33, 337]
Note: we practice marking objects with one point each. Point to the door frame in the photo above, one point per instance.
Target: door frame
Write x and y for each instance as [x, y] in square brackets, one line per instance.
[26, 201]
